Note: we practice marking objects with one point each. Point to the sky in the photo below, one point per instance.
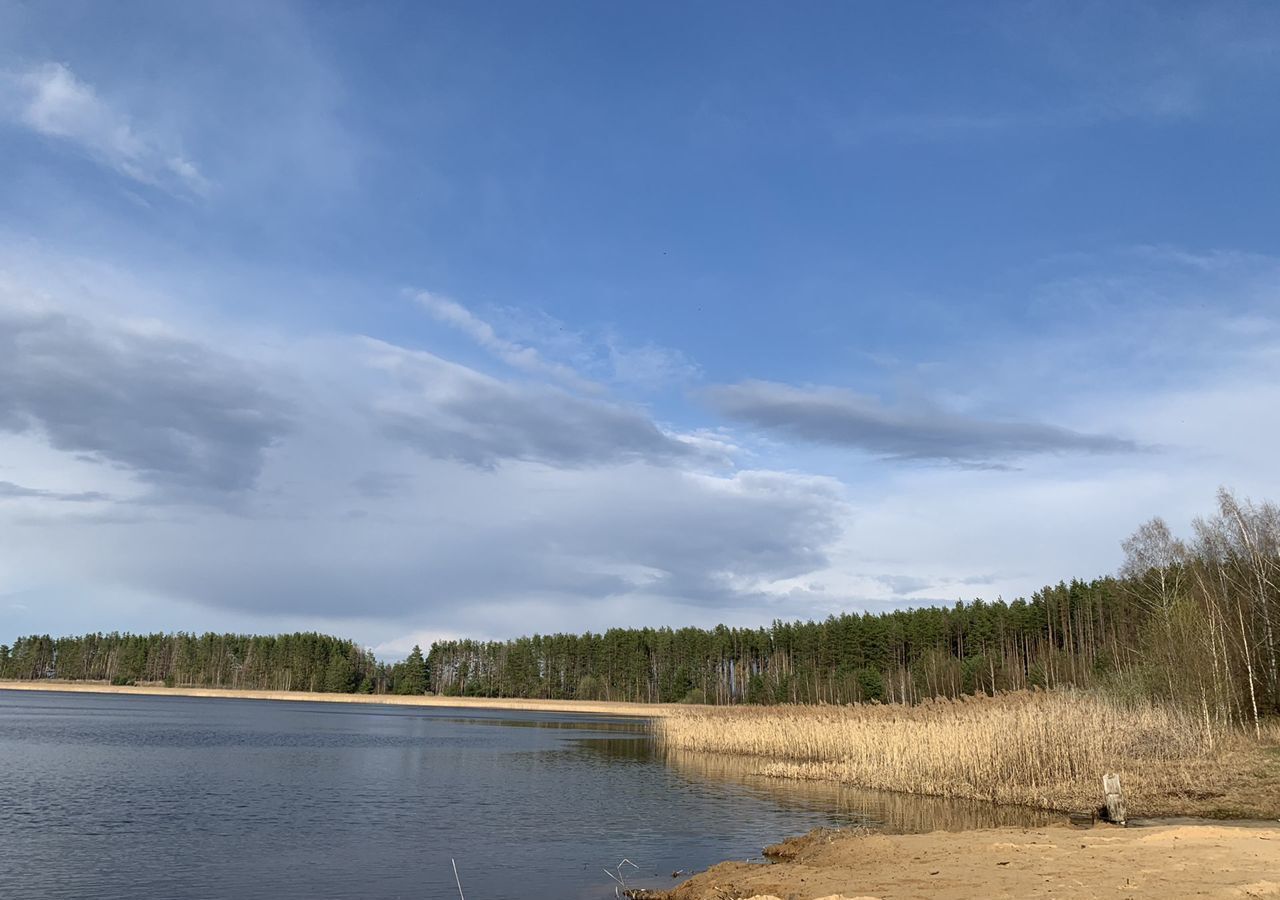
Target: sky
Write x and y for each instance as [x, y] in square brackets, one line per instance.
[410, 321]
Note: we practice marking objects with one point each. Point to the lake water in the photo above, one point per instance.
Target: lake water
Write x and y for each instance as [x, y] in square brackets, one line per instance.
[108, 796]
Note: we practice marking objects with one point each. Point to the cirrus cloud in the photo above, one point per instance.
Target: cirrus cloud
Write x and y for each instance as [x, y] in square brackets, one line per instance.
[51, 101]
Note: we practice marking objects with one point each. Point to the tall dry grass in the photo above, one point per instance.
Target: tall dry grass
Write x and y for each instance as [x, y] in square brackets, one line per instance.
[1034, 748]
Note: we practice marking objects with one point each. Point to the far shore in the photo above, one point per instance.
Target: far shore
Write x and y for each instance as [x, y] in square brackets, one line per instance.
[591, 707]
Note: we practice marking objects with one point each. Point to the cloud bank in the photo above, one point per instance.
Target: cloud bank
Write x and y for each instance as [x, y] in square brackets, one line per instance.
[451, 412]
[178, 414]
[843, 418]
[418, 492]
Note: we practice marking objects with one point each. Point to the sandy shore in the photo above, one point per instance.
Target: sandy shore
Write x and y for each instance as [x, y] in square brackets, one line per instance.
[1144, 862]
[639, 710]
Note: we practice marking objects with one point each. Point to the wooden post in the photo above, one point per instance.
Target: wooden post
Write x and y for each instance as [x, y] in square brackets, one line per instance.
[1115, 800]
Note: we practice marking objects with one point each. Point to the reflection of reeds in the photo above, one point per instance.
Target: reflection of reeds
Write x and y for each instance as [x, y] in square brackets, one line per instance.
[1033, 748]
[889, 811]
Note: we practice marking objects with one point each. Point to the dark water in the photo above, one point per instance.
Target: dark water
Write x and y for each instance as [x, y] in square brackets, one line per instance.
[111, 796]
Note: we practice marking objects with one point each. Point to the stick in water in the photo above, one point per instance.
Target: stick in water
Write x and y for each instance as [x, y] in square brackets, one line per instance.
[456, 878]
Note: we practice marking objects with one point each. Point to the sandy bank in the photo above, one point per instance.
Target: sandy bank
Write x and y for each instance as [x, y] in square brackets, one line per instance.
[1105, 861]
[639, 710]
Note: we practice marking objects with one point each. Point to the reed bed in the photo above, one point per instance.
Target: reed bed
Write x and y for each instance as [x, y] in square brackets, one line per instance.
[1034, 748]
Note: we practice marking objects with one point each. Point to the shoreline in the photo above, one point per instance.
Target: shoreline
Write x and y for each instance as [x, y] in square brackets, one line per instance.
[585, 707]
[1147, 861]
[1143, 862]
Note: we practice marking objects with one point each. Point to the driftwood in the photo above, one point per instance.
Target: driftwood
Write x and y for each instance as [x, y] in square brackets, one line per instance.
[1115, 799]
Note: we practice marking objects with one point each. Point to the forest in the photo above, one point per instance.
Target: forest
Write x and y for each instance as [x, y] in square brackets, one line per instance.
[1195, 621]
[286, 662]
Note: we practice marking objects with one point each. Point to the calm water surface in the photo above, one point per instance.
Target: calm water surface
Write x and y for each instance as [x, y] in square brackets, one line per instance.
[115, 796]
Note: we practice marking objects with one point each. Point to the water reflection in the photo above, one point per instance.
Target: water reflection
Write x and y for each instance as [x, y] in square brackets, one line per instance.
[580, 723]
[119, 797]
[887, 811]
[638, 748]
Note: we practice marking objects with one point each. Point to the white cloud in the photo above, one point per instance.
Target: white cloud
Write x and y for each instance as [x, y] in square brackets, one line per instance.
[452, 412]
[547, 347]
[515, 506]
[514, 354]
[1184, 356]
[511, 506]
[50, 100]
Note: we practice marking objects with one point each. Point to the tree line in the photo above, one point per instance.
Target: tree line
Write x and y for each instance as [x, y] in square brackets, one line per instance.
[1196, 621]
[286, 662]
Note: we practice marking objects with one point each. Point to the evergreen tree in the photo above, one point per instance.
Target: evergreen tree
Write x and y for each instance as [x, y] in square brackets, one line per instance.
[413, 676]
[1195, 622]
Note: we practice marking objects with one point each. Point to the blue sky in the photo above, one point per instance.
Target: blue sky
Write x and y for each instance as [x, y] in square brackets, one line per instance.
[413, 320]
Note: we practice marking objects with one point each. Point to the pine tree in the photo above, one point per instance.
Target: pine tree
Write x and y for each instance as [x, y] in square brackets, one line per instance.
[413, 679]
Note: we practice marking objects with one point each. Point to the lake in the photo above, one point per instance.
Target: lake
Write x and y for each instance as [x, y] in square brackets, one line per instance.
[108, 796]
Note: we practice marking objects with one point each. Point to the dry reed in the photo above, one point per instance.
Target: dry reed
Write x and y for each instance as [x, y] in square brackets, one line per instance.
[1034, 748]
